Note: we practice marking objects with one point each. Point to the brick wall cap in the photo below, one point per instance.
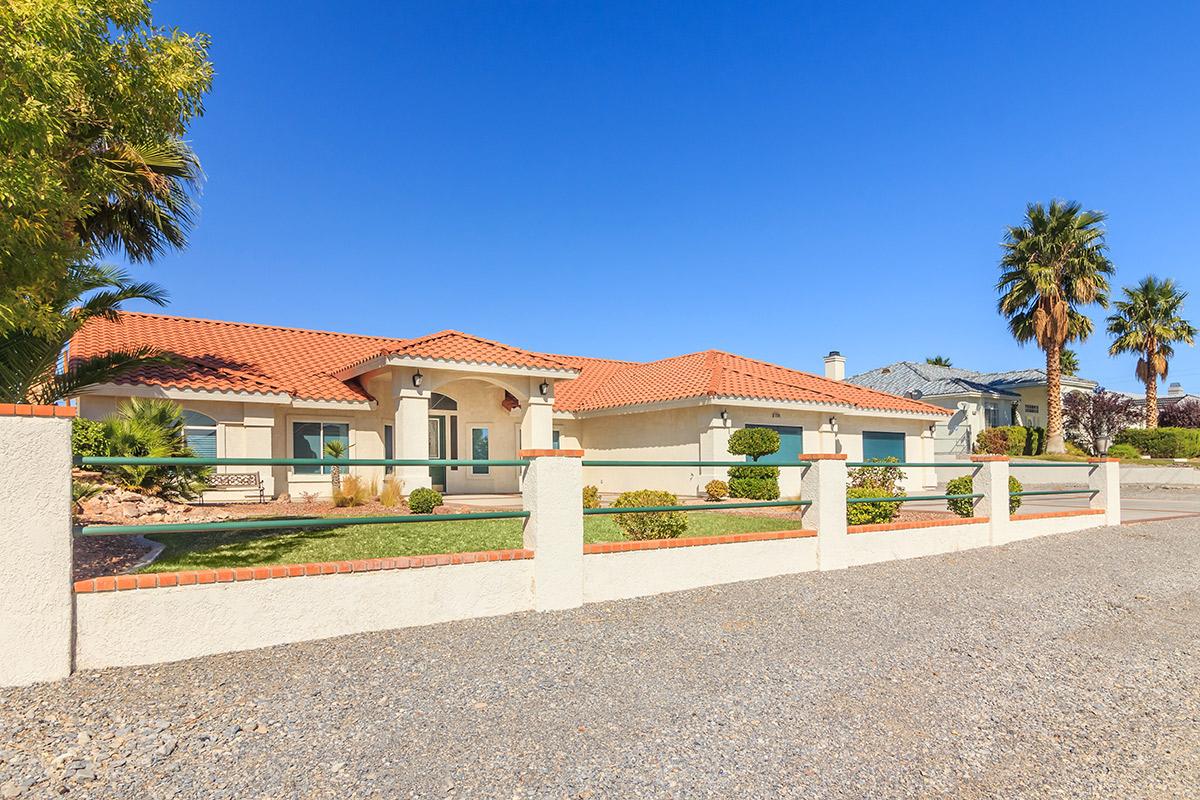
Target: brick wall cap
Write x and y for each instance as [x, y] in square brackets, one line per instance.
[823, 457]
[983, 458]
[1104, 461]
[550, 453]
[27, 410]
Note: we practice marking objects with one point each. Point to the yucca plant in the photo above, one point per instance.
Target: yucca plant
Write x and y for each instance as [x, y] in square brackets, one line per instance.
[151, 427]
[335, 449]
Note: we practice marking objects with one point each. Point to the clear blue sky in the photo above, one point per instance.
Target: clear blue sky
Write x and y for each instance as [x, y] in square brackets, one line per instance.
[642, 180]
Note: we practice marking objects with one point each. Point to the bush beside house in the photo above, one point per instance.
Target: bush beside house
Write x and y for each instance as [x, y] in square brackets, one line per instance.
[1012, 440]
[1162, 442]
[965, 506]
[874, 481]
[650, 524]
[424, 501]
[754, 482]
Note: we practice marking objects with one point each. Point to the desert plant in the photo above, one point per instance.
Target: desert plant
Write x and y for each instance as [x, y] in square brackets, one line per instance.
[1123, 451]
[352, 491]
[871, 513]
[965, 484]
[335, 448]
[1054, 263]
[87, 438]
[591, 497]
[81, 491]
[716, 490]
[649, 524]
[424, 501]
[1148, 322]
[392, 494]
[150, 427]
[754, 482]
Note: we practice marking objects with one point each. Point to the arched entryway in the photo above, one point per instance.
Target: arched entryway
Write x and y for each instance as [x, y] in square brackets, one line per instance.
[443, 435]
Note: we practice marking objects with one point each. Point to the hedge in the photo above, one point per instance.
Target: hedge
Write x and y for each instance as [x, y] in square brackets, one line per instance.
[965, 484]
[1162, 442]
[1012, 440]
[871, 513]
[649, 524]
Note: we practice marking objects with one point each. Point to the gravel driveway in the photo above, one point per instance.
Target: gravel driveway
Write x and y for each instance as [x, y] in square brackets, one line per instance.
[1062, 667]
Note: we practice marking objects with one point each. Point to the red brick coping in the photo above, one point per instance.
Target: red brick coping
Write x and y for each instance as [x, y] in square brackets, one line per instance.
[555, 453]
[979, 459]
[924, 523]
[1082, 512]
[1104, 461]
[822, 457]
[693, 541]
[155, 580]
[24, 410]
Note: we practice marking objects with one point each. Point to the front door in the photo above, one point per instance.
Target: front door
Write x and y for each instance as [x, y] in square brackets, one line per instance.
[437, 449]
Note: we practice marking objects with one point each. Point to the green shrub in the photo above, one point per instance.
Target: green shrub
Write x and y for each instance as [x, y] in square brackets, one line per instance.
[651, 524]
[1162, 442]
[716, 490]
[424, 501]
[884, 476]
[754, 442]
[591, 497]
[992, 441]
[87, 438]
[753, 482]
[965, 506]
[1012, 440]
[151, 427]
[871, 513]
[1123, 451]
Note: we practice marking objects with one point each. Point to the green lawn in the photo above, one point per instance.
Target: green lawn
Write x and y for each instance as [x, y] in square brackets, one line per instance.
[186, 551]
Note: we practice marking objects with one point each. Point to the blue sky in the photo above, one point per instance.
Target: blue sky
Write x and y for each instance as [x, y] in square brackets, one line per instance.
[647, 179]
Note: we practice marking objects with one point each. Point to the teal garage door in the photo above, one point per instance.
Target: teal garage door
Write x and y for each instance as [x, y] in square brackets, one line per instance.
[791, 444]
[878, 445]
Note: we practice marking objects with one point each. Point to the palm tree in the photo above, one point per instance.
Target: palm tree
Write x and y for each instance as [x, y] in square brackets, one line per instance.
[335, 448]
[29, 361]
[1068, 362]
[938, 361]
[1148, 323]
[152, 208]
[1053, 263]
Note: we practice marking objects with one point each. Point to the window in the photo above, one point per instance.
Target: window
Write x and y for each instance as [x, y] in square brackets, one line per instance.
[479, 450]
[201, 433]
[991, 415]
[309, 440]
[389, 448]
[1032, 409]
[555, 439]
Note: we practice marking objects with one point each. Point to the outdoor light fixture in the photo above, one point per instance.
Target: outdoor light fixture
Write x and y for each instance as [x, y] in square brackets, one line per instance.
[724, 415]
[544, 388]
[417, 379]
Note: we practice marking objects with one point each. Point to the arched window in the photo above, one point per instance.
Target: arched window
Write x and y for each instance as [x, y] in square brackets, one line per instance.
[439, 402]
[201, 432]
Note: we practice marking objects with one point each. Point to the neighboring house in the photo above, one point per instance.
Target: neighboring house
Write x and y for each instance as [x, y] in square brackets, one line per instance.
[1175, 394]
[978, 399]
[256, 390]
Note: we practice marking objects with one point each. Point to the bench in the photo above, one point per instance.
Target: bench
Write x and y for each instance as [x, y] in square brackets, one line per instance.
[251, 481]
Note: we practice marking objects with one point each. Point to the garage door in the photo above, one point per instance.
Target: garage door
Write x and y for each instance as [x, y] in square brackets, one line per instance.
[878, 445]
[791, 444]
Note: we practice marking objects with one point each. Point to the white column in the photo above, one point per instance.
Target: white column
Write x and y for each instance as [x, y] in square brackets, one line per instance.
[537, 426]
[1105, 481]
[991, 480]
[714, 446]
[258, 429]
[36, 608]
[411, 430]
[828, 434]
[552, 491]
[824, 483]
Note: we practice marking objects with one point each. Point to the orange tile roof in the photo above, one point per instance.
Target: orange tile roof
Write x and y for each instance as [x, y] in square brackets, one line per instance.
[263, 359]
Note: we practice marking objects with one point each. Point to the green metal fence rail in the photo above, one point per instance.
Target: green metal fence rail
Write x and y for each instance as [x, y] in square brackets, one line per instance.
[1054, 491]
[1025, 464]
[147, 461]
[587, 462]
[900, 498]
[286, 524]
[697, 507]
[901, 464]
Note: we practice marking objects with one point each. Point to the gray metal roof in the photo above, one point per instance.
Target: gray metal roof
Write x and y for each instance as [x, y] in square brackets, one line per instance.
[906, 377]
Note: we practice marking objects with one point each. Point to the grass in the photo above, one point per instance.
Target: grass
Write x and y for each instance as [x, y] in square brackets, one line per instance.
[185, 551]
[1137, 462]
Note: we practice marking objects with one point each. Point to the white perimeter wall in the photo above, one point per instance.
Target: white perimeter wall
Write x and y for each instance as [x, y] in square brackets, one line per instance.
[871, 547]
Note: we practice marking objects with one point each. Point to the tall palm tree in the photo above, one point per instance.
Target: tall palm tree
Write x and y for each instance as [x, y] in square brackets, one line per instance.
[1068, 361]
[1053, 263]
[938, 361]
[1148, 323]
[29, 361]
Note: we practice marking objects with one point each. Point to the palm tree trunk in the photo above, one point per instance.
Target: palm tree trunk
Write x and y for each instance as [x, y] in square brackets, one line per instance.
[335, 478]
[1151, 388]
[1054, 410]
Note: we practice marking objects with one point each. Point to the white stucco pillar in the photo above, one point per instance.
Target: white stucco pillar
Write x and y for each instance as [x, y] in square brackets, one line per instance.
[991, 480]
[36, 606]
[828, 434]
[552, 491]
[258, 429]
[714, 446]
[824, 484]
[537, 425]
[412, 433]
[1105, 481]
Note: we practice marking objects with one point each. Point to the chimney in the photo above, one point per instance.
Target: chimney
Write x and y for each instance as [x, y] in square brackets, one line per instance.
[835, 366]
[1175, 390]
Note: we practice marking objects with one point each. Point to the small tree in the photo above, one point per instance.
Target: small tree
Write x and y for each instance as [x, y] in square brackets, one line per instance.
[754, 482]
[1091, 417]
[335, 449]
[150, 427]
[1184, 414]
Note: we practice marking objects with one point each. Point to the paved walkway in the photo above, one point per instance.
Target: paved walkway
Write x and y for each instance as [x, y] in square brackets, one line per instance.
[1059, 667]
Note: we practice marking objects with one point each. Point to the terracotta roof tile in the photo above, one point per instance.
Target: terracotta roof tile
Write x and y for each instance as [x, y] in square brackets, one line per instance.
[241, 357]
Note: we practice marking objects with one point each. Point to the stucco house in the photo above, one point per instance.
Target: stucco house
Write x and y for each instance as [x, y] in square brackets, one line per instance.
[258, 390]
[978, 400]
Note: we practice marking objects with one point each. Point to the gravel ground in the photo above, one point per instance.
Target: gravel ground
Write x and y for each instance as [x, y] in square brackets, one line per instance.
[1061, 667]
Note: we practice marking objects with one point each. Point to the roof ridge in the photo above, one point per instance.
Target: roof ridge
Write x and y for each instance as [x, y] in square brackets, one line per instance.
[258, 325]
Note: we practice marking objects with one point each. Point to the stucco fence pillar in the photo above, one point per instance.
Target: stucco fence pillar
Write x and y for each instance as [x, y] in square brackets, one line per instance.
[36, 602]
[824, 485]
[1105, 481]
[991, 480]
[552, 489]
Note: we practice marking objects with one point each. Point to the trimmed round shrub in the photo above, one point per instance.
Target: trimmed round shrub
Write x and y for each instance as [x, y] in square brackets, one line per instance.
[754, 442]
[424, 501]
[716, 490]
[871, 513]
[1123, 451]
[650, 524]
[965, 484]
[591, 497]
[754, 482]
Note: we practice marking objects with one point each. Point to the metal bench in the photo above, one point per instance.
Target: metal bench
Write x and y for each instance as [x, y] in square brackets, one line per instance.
[251, 481]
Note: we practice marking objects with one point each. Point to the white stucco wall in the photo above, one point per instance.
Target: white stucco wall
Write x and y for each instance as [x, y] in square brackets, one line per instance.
[1030, 528]
[871, 547]
[147, 626]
